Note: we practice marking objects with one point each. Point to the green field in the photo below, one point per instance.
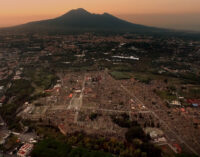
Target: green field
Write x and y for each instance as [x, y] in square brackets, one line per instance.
[118, 75]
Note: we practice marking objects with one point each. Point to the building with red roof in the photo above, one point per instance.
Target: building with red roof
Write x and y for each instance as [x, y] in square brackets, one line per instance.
[25, 150]
[194, 102]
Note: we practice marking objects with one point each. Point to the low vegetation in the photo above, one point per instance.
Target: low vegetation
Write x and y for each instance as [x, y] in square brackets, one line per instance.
[41, 78]
[166, 95]
[11, 142]
[119, 75]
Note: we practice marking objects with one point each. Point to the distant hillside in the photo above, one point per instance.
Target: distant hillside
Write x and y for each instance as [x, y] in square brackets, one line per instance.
[82, 20]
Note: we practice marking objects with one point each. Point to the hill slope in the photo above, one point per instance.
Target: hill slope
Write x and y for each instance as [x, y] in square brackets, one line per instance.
[81, 20]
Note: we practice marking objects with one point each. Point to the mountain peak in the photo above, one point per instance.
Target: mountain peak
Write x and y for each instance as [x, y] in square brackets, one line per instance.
[78, 11]
[81, 20]
[106, 14]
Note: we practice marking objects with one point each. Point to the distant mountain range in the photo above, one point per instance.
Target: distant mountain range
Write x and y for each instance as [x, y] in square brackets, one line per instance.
[80, 20]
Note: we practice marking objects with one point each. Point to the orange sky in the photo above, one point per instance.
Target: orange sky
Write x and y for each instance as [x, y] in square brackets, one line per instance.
[20, 11]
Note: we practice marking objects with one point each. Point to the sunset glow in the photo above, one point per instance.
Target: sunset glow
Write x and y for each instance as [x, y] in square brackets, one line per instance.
[13, 12]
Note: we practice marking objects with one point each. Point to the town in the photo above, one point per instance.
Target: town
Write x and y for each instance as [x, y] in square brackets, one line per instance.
[128, 89]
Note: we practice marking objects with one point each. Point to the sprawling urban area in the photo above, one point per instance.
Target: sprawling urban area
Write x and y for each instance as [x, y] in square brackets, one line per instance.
[104, 95]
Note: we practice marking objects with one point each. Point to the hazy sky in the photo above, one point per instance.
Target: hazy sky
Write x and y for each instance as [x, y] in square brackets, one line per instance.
[140, 11]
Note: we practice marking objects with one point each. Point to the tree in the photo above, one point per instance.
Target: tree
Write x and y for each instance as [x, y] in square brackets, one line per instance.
[151, 150]
[93, 116]
[186, 155]
[51, 148]
[166, 81]
[134, 132]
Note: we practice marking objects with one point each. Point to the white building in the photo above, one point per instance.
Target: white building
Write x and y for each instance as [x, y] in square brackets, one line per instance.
[175, 103]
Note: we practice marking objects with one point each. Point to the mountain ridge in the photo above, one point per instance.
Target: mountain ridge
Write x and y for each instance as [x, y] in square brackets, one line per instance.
[82, 20]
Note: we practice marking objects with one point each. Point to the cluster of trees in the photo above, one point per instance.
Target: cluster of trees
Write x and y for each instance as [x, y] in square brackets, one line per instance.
[42, 78]
[123, 120]
[93, 116]
[134, 129]
[20, 89]
[136, 137]
[186, 155]
[136, 143]
[23, 90]
[19, 92]
[10, 143]
[55, 148]
[94, 142]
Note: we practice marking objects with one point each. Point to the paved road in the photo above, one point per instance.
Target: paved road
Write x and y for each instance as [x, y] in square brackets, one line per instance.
[115, 111]
[27, 136]
[78, 102]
